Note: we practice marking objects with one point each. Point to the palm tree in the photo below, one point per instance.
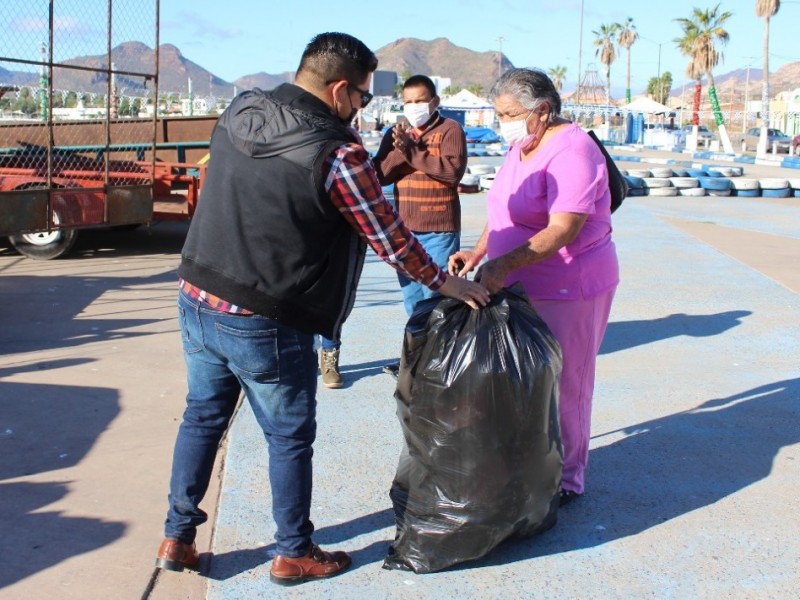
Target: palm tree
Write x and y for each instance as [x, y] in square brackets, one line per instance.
[765, 9]
[626, 37]
[707, 28]
[606, 50]
[556, 74]
[686, 46]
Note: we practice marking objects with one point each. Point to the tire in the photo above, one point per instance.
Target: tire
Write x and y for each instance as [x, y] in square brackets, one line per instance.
[634, 183]
[470, 179]
[663, 191]
[679, 172]
[486, 182]
[719, 193]
[794, 184]
[773, 183]
[715, 184]
[656, 182]
[684, 182]
[661, 172]
[724, 171]
[746, 193]
[694, 192]
[640, 173]
[45, 245]
[696, 173]
[480, 169]
[745, 184]
[776, 193]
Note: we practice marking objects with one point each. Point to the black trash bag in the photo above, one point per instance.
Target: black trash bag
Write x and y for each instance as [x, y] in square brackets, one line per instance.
[477, 399]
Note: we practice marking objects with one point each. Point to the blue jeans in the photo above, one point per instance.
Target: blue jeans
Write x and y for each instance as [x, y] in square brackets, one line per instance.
[440, 246]
[328, 344]
[276, 366]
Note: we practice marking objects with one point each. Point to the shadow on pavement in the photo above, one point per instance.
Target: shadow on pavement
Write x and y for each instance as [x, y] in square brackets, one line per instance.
[622, 335]
[661, 470]
[36, 540]
[45, 428]
[230, 564]
[671, 466]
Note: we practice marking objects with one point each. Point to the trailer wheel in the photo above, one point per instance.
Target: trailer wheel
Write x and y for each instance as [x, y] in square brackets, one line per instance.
[45, 245]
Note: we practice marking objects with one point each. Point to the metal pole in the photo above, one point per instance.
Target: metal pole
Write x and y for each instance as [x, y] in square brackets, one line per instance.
[580, 53]
[660, 83]
[746, 98]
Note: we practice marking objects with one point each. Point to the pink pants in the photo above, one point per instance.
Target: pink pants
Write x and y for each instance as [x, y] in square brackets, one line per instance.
[579, 326]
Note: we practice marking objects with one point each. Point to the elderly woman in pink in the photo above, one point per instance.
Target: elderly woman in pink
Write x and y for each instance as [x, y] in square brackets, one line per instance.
[549, 228]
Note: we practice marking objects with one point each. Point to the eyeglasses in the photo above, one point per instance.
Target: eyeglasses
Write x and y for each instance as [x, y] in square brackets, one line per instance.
[366, 97]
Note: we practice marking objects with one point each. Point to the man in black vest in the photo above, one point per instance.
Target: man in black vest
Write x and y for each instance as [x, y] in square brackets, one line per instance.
[273, 256]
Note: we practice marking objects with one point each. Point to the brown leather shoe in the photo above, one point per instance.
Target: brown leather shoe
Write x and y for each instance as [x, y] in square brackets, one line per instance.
[177, 556]
[316, 564]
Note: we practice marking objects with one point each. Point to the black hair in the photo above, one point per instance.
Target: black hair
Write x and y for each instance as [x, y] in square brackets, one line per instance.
[421, 80]
[334, 56]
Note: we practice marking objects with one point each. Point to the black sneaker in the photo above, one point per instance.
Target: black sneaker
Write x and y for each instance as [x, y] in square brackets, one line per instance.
[567, 496]
[392, 369]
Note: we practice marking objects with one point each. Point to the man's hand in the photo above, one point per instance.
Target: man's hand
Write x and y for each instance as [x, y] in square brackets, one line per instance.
[462, 262]
[471, 292]
[402, 137]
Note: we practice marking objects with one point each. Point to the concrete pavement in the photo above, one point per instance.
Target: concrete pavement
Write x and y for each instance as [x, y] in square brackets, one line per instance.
[693, 482]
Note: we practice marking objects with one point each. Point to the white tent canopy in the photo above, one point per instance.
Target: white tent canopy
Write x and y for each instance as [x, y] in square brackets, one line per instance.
[466, 100]
[644, 104]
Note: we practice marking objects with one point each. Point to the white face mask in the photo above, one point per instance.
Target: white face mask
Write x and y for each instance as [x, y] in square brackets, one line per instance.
[416, 113]
[516, 132]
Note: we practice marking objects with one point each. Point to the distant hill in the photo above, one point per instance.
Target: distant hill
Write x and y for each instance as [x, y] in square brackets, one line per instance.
[441, 57]
[265, 81]
[407, 55]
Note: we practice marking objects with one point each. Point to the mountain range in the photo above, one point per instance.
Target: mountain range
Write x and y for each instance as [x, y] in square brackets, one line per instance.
[405, 56]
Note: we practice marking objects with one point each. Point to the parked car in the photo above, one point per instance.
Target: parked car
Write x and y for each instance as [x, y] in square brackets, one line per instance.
[704, 135]
[775, 136]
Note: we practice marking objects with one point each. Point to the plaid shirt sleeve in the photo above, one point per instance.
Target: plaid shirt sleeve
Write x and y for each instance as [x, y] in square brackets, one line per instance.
[353, 186]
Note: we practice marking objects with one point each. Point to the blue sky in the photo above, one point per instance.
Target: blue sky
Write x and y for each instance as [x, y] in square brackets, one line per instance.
[241, 37]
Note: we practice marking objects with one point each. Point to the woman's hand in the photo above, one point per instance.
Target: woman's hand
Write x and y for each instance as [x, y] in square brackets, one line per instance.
[492, 275]
[463, 262]
[471, 292]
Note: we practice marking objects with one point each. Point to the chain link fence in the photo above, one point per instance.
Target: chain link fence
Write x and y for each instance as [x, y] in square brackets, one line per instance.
[79, 80]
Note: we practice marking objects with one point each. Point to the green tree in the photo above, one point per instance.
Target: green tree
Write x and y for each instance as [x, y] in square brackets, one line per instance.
[124, 107]
[626, 38]
[475, 88]
[706, 28]
[659, 87]
[451, 90]
[136, 107]
[765, 9]
[26, 102]
[71, 100]
[557, 75]
[398, 88]
[606, 51]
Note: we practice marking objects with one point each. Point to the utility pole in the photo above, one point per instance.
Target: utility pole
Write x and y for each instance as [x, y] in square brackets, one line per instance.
[746, 97]
[500, 41]
[660, 83]
[580, 53]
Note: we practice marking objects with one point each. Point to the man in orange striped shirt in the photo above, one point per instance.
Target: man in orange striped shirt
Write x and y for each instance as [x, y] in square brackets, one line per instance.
[425, 159]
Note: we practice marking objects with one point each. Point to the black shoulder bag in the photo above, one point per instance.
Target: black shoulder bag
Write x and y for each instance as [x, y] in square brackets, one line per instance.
[616, 181]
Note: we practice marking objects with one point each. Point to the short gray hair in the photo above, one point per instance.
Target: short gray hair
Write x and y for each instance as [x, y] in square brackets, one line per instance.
[531, 87]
